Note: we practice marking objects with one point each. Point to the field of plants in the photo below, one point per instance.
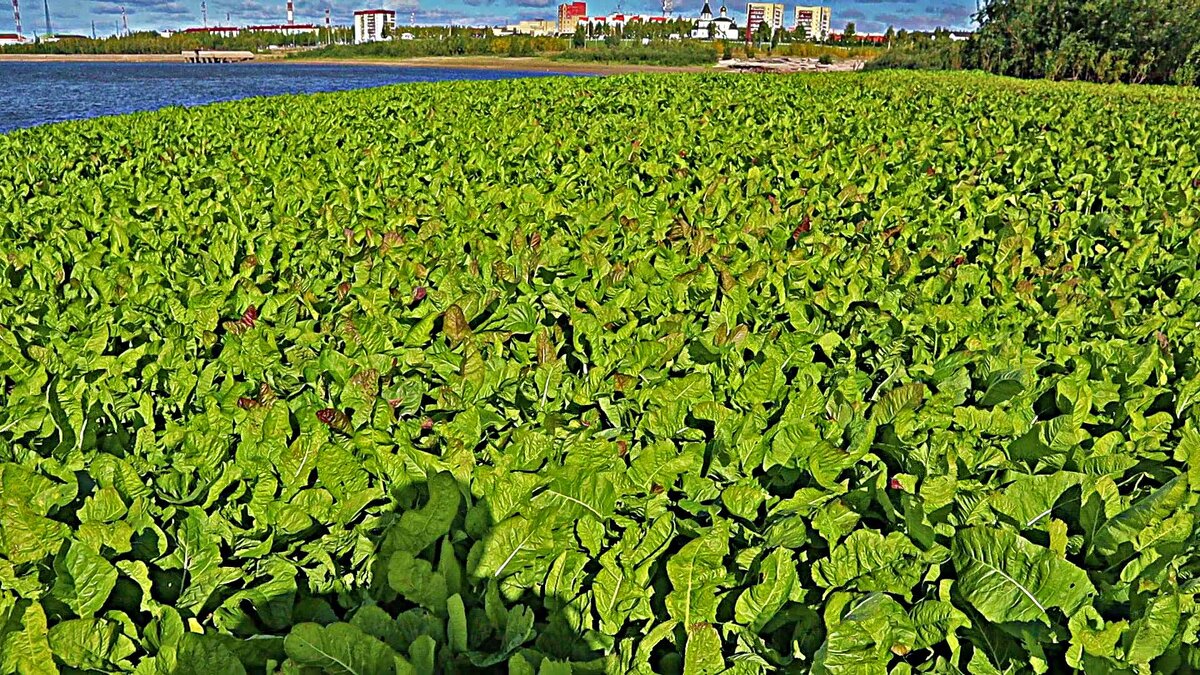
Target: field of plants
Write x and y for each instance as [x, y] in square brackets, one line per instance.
[880, 373]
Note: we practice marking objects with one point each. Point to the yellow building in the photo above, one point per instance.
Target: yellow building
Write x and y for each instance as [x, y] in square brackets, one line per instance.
[816, 21]
[536, 28]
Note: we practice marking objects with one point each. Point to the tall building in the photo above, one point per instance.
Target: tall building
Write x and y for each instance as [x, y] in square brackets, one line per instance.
[569, 14]
[757, 13]
[815, 20]
[373, 25]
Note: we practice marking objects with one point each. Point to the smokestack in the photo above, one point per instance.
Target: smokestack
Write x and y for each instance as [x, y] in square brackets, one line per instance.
[328, 25]
[291, 13]
[124, 21]
[17, 15]
[204, 13]
[49, 29]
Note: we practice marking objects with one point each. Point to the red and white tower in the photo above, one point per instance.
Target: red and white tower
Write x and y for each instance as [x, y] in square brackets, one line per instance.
[291, 13]
[17, 15]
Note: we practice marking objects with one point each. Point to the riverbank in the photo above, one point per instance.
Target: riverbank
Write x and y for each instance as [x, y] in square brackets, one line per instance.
[92, 58]
[533, 64]
[530, 64]
[538, 64]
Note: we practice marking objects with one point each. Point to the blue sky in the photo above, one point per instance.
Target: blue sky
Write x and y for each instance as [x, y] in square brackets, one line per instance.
[76, 15]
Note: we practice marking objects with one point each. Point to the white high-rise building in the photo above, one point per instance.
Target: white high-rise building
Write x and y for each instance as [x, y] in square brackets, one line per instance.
[373, 25]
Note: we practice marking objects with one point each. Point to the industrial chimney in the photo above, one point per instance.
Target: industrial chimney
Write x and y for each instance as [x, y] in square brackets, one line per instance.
[46, 5]
[17, 15]
[291, 13]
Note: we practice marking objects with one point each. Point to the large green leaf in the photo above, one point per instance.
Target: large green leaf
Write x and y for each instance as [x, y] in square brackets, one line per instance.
[339, 649]
[1007, 578]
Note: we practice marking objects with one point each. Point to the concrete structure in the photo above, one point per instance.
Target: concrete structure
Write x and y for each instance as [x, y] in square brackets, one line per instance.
[219, 31]
[868, 38]
[815, 20]
[283, 28]
[373, 25]
[714, 28]
[758, 13]
[535, 28]
[213, 56]
[569, 14]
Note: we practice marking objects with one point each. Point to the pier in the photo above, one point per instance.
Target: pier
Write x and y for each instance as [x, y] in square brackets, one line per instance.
[212, 56]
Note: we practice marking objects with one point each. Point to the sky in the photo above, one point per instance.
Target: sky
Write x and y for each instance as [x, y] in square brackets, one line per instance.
[76, 15]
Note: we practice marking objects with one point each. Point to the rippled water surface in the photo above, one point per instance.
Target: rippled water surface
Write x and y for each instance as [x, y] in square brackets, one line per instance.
[39, 93]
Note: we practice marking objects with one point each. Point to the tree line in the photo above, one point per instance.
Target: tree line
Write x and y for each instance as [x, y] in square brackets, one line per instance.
[1154, 41]
[1135, 41]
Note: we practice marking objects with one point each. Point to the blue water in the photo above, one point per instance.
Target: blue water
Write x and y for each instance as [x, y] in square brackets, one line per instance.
[39, 93]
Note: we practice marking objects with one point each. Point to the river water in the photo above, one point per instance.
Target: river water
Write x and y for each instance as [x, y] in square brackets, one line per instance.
[39, 93]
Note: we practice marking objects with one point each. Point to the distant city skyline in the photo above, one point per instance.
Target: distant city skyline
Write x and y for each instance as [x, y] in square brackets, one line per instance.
[76, 16]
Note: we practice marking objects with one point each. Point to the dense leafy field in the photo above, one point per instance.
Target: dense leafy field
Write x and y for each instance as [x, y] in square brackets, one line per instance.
[675, 374]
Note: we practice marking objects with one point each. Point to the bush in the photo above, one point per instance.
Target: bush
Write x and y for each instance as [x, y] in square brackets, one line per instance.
[656, 54]
[825, 59]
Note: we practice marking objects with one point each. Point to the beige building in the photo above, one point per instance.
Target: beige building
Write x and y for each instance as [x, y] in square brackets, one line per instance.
[569, 14]
[759, 12]
[816, 21]
[536, 28]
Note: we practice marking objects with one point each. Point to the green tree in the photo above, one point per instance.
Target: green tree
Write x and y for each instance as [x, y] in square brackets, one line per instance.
[579, 39]
[763, 33]
[851, 33]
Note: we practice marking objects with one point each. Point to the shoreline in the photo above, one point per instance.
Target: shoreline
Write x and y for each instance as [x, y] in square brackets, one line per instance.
[92, 58]
[530, 64]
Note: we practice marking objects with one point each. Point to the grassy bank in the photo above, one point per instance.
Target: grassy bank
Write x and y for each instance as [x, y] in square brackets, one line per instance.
[664, 54]
[886, 372]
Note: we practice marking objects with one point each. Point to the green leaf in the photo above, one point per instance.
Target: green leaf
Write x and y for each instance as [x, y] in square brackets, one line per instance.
[756, 606]
[415, 580]
[702, 653]
[862, 634]
[869, 561]
[903, 398]
[418, 529]
[202, 655]
[456, 627]
[83, 580]
[1154, 632]
[1006, 578]
[26, 647]
[91, 644]
[695, 573]
[1126, 525]
[339, 649]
